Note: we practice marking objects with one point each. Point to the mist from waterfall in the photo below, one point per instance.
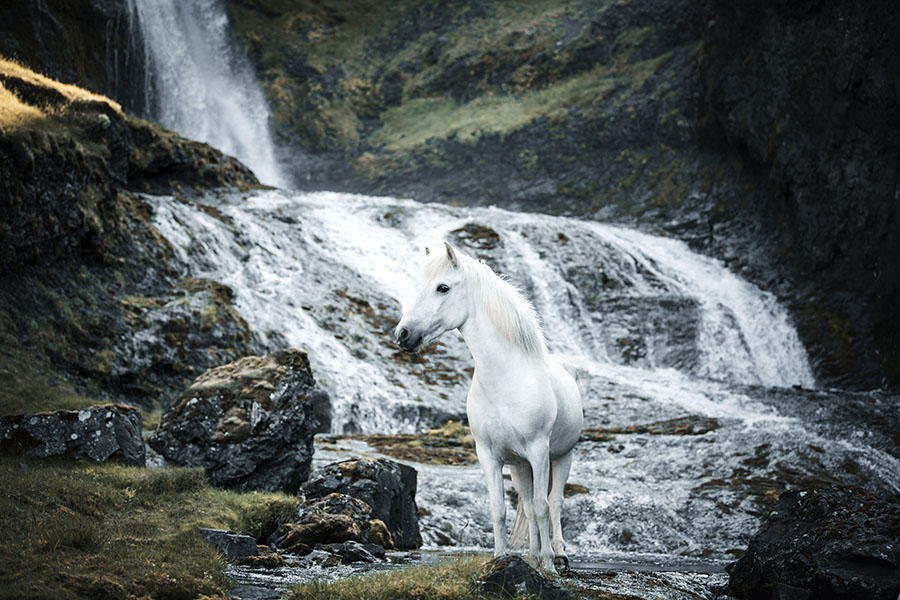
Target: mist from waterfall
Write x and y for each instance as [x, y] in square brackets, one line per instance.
[199, 85]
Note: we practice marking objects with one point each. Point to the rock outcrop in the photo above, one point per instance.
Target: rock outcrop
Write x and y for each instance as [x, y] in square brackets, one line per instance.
[232, 545]
[250, 423]
[334, 519]
[99, 433]
[509, 576]
[387, 487]
[81, 264]
[827, 543]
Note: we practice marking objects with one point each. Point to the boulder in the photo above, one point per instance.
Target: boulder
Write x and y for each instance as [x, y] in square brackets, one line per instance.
[509, 575]
[265, 558]
[233, 545]
[838, 542]
[250, 423]
[388, 487]
[351, 552]
[99, 433]
[334, 519]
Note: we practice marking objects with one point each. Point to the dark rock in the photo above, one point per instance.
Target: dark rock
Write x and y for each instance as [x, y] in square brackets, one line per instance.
[337, 518]
[350, 552]
[837, 542]
[100, 433]
[233, 545]
[196, 326]
[379, 535]
[265, 558]
[250, 423]
[388, 487]
[509, 575]
[319, 558]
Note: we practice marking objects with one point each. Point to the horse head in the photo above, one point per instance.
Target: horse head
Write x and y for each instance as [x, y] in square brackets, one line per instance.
[442, 304]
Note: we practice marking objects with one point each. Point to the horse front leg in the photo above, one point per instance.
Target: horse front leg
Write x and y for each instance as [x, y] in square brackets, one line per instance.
[493, 473]
[522, 481]
[539, 457]
[559, 473]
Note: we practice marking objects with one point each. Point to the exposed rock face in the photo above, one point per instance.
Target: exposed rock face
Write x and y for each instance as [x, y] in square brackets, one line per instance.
[828, 543]
[99, 433]
[334, 519]
[81, 265]
[249, 423]
[388, 487]
[804, 92]
[89, 42]
[233, 545]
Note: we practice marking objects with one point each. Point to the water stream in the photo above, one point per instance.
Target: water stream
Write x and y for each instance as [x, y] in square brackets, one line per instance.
[657, 332]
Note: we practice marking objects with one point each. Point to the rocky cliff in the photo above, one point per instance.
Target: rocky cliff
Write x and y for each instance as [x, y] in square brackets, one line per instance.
[82, 270]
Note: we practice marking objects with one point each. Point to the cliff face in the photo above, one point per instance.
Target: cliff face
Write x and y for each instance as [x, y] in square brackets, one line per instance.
[88, 42]
[807, 94]
[81, 266]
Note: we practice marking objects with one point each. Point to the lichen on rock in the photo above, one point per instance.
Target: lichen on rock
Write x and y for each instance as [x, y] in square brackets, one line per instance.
[250, 423]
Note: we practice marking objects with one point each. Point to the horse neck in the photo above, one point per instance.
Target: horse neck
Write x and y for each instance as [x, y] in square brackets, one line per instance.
[492, 352]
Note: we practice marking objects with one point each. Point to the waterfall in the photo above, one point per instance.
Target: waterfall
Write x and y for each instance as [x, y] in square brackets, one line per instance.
[196, 84]
[330, 272]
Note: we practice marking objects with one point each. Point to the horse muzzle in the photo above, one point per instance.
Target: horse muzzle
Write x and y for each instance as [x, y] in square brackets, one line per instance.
[409, 341]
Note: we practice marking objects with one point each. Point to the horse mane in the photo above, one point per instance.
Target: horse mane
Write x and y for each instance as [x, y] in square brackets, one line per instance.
[509, 311]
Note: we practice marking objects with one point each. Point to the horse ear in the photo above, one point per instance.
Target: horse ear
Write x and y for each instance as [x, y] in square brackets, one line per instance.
[427, 250]
[451, 255]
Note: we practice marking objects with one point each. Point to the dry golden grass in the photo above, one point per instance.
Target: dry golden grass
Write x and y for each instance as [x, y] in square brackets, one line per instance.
[72, 93]
[16, 115]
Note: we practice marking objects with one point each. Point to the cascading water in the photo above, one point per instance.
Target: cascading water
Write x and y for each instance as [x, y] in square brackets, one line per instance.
[656, 331]
[196, 85]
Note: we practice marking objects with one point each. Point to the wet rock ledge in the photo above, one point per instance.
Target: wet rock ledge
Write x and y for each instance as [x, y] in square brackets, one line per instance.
[838, 542]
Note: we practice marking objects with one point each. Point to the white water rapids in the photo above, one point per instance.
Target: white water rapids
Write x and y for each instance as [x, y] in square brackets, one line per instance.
[656, 331]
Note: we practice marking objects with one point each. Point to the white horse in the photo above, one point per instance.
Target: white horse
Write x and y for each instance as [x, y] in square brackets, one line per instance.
[524, 406]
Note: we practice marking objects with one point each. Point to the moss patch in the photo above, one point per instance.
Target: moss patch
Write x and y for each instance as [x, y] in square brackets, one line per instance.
[690, 425]
[451, 444]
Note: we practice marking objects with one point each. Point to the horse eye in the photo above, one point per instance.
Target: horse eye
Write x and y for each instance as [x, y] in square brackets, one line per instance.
[443, 288]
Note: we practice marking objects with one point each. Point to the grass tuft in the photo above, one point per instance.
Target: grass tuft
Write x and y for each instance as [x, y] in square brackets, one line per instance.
[454, 579]
[74, 530]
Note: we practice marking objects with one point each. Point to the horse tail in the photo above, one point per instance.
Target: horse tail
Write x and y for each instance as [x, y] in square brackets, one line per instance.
[518, 535]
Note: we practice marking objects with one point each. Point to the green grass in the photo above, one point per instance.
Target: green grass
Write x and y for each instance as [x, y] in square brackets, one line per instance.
[75, 530]
[449, 580]
[411, 124]
[24, 389]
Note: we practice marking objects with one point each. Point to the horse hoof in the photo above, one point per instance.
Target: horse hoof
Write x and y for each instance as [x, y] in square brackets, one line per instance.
[561, 563]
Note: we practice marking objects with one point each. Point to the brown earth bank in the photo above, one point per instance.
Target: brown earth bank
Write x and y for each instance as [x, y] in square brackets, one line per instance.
[762, 134]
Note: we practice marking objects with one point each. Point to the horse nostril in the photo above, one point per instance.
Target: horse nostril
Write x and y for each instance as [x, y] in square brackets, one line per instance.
[404, 333]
